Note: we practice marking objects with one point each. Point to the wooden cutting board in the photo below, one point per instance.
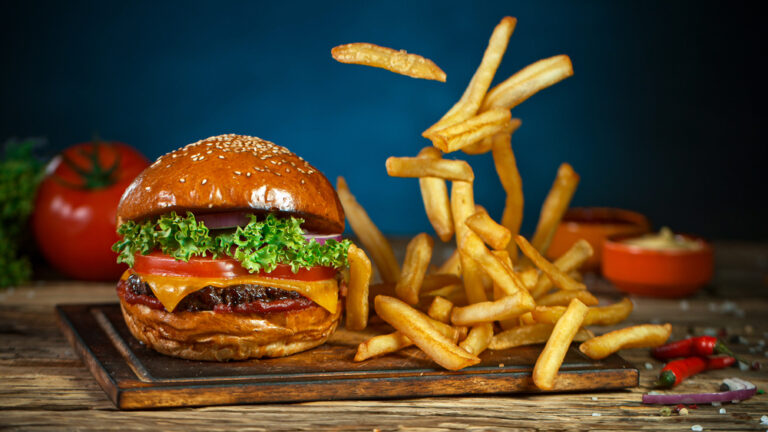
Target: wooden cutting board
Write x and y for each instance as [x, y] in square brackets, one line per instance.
[135, 377]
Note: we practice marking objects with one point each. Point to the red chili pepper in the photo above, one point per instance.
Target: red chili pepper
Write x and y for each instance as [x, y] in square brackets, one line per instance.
[694, 346]
[678, 370]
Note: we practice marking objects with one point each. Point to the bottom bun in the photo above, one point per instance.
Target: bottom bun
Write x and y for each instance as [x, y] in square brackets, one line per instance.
[216, 336]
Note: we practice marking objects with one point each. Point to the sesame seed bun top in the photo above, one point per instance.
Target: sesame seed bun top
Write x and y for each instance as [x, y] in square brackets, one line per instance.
[234, 173]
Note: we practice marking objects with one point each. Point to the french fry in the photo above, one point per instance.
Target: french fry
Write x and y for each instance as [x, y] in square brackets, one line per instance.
[530, 277]
[470, 131]
[527, 82]
[554, 207]
[455, 293]
[435, 281]
[571, 260]
[559, 279]
[431, 286]
[462, 206]
[501, 254]
[392, 342]
[505, 308]
[452, 265]
[639, 336]
[507, 280]
[499, 293]
[506, 168]
[434, 193]
[380, 345]
[596, 315]
[529, 334]
[483, 146]
[563, 297]
[495, 235]
[417, 327]
[524, 319]
[473, 96]
[551, 357]
[372, 239]
[478, 338]
[417, 257]
[440, 309]
[357, 289]
[400, 62]
[422, 167]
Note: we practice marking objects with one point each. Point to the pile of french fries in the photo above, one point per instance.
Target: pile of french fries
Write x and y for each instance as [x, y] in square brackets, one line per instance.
[496, 291]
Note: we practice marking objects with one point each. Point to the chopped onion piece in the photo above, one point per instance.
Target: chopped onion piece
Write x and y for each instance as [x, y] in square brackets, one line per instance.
[738, 390]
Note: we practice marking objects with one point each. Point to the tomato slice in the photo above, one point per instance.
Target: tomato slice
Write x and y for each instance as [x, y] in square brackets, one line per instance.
[220, 268]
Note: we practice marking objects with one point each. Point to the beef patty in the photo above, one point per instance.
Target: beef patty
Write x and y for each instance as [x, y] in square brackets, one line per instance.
[243, 298]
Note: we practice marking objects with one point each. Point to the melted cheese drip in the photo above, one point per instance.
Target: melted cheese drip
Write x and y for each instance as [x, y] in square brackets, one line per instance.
[169, 290]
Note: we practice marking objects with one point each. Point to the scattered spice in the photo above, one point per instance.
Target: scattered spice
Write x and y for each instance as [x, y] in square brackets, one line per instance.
[722, 411]
[665, 411]
[683, 411]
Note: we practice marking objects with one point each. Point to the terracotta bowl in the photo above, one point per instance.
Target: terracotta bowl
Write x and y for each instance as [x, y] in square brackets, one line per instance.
[595, 224]
[657, 273]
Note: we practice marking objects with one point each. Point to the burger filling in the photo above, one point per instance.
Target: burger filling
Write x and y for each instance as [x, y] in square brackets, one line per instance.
[259, 246]
[268, 265]
[244, 298]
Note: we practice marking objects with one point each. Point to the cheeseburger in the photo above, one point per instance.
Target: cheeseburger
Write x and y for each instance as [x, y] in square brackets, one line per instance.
[235, 251]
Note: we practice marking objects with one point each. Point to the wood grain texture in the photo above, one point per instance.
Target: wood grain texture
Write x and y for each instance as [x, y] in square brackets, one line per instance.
[45, 387]
[136, 377]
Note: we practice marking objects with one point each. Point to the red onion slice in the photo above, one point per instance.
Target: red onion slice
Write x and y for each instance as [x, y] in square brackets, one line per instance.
[223, 220]
[236, 219]
[322, 238]
[740, 390]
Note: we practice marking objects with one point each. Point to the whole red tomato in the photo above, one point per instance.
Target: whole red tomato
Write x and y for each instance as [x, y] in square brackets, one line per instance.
[76, 205]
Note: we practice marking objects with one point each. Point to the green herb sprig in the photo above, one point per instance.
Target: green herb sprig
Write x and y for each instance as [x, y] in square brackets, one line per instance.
[20, 175]
[259, 246]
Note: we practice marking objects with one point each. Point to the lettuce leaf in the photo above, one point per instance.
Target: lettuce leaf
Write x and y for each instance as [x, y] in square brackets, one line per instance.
[259, 246]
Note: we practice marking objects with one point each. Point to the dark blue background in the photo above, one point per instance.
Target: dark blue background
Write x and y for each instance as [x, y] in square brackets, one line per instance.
[665, 113]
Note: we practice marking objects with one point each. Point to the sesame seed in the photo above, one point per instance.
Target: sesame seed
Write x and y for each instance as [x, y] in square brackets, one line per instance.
[147, 188]
[182, 180]
[238, 172]
[204, 181]
[248, 174]
[221, 157]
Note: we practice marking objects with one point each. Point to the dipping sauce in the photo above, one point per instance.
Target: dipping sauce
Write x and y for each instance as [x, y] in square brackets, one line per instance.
[595, 224]
[665, 239]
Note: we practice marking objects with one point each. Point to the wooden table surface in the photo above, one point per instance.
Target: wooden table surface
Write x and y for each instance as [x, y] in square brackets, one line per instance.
[45, 386]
